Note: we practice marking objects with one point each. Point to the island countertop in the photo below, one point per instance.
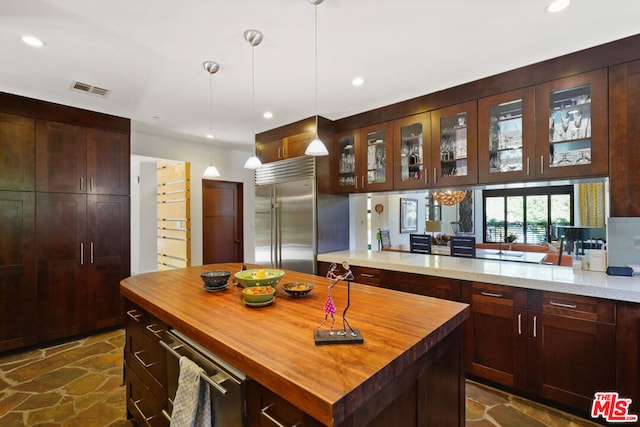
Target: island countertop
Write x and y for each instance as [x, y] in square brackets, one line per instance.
[531, 276]
[274, 345]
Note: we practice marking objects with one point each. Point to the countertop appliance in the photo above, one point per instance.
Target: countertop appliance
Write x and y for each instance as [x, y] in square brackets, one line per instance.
[227, 383]
[294, 222]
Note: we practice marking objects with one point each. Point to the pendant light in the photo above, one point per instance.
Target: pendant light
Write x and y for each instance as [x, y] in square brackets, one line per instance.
[253, 37]
[211, 68]
[316, 147]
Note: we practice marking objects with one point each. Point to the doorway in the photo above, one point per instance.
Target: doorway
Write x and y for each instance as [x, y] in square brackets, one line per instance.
[222, 215]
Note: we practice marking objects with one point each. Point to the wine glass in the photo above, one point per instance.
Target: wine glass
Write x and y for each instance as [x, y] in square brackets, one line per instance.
[564, 117]
[577, 121]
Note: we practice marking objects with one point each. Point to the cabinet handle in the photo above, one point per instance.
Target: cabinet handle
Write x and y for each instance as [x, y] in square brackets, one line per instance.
[542, 165]
[363, 182]
[135, 317]
[559, 304]
[154, 332]
[527, 166]
[81, 183]
[435, 176]
[142, 362]
[271, 418]
[370, 276]
[135, 403]
[91, 251]
[81, 253]
[356, 176]
[91, 184]
[535, 326]
[166, 415]
[519, 323]
[491, 294]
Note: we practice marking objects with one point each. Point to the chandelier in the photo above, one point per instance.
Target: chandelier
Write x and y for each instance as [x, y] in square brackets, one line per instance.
[449, 197]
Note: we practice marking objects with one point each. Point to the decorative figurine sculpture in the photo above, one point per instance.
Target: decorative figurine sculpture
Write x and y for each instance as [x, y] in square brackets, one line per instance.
[339, 337]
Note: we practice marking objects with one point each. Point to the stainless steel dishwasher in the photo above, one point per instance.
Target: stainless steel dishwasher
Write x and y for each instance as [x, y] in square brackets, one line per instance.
[227, 383]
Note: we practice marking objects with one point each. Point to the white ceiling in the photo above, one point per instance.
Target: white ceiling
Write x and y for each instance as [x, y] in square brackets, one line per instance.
[149, 54]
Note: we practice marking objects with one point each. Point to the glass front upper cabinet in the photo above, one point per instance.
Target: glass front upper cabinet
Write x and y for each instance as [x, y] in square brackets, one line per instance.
[376, 173]
[412, 142]
[455, 136]
[572, 127]
[347, 153]
[506, 144]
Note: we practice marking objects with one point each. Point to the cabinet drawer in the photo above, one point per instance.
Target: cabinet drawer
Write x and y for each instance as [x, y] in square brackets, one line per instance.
[145, 356]
[579, 307]
[367, 275]
[145, 408]
[265, 408]
[498, 294]
[149, 325]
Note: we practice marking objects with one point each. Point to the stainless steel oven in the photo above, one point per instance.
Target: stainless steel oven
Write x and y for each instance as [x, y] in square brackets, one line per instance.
[227, 383]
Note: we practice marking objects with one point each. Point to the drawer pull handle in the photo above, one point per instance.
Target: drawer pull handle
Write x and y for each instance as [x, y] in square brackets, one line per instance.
[166, 415]
[370, 276]
[271, 418]
[491, 294]
[142, 362]
[154, 332]
[135, 403]
[559, 304]
[519, 324]
[133, 315]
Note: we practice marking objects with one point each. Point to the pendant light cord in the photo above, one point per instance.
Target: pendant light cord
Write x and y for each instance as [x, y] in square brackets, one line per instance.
[253, 99]
[315, 13]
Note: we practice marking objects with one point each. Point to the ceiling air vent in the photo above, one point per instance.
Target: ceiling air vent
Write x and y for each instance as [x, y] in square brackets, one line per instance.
[87, 88]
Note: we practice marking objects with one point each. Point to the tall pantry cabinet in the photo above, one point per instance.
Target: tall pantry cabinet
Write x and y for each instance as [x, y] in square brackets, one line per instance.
[65, 241]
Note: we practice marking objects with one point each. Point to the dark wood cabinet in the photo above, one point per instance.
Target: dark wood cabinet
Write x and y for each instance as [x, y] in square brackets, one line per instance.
[145, 364]
[17, 153]
[571, 126]
[108, 254]
[18, 287]
[554, 346]
[265, 408]
[575, 342]
[62, 264]
[411, 152]
[74, 159]
[628, 353]
[346, 159]
[454, 144]
[270, 151]
[624, 139]
[506, 137]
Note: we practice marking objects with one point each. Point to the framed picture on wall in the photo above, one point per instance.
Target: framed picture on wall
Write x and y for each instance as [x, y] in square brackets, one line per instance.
[408, 215]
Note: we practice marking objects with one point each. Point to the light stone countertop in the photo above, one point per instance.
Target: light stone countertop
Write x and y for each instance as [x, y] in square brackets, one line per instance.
[523, 275]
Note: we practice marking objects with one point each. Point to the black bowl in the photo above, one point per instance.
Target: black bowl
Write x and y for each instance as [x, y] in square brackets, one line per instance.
[215, 278]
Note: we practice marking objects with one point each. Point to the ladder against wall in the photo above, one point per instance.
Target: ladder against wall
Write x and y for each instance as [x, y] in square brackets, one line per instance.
[173, 215]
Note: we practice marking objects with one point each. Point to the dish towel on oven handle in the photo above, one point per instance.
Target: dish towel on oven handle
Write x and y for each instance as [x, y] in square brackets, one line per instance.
[192, 404]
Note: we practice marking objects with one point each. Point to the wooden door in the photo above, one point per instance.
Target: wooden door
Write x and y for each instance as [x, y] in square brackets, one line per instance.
[61, 157]
[17, 153]
[108, 237]
[62, 261]
[497, 343]
[108, 162]
[624, 139]
[222, 215]
[18, 298]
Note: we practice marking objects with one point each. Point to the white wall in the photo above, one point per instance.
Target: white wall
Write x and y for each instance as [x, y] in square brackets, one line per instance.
[230, 164]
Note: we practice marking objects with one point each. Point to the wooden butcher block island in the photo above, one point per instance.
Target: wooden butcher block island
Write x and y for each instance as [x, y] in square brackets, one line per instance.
[407, 372]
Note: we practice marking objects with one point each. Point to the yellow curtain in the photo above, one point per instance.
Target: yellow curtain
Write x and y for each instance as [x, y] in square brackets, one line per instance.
[591, 204]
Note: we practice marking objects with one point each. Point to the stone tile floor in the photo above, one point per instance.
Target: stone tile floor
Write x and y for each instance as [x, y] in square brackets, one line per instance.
[79, 383]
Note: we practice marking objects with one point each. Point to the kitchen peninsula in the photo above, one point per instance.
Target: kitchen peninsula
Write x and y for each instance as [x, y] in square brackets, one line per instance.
[408, 371]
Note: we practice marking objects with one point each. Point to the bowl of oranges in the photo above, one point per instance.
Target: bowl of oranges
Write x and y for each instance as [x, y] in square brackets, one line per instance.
[297, 289]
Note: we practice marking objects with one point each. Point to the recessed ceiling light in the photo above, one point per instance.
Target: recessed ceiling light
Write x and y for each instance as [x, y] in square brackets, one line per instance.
[268, 115]
[210, 136]
[33, 41]
[358, 81]
[557, 6]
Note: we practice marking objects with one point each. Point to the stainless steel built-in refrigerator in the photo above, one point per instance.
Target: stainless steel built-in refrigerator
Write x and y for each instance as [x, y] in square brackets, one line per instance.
[290, 212]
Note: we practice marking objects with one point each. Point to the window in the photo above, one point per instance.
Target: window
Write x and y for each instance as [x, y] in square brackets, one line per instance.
[528, 213]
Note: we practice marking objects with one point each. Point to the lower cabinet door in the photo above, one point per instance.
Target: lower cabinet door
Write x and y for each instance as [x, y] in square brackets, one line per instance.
[142, 405]
[576, 359]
